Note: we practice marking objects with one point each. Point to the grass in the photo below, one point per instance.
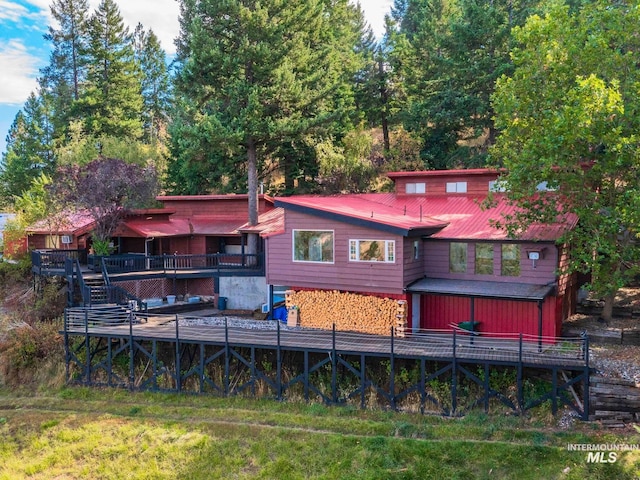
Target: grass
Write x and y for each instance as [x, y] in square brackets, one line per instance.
[112, 434]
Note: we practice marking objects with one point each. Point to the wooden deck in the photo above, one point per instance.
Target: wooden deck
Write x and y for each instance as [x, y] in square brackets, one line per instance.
[434, 345]
[170, 353]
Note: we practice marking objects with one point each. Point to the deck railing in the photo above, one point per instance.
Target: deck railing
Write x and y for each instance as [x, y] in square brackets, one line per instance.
[47, 260]
[179, 263]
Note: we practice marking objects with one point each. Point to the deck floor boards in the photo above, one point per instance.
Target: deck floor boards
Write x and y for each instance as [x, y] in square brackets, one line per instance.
[432, 346]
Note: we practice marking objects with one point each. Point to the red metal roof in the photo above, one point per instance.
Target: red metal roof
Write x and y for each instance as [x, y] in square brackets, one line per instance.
[67, 223]
[369, 210]
[158, 227]
[269, 223]
[454, 216]
[216, 225]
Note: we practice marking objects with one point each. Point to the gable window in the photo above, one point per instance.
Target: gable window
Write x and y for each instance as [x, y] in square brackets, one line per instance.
[456, 187]
[372, 250]
[415, 188]
[313, 246]
[510, 265]
[457, 257]
[484, 258]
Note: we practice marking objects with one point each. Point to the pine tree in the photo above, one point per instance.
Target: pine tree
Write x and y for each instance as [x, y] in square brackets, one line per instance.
[256, 75]
[111, 105]
[61, 81]
[448, 54]
[29, 150]
[151, 59]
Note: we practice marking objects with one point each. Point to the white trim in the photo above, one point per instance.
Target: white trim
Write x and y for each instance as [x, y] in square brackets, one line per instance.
[293, 246]
[386, 250]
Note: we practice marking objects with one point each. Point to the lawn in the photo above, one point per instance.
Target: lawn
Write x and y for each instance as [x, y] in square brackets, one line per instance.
[112, 434]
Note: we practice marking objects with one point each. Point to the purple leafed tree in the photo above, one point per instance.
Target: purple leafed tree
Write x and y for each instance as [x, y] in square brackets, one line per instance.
[107, 188]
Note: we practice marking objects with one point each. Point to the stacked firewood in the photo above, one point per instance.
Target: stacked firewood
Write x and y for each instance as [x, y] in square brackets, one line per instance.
[348, 311]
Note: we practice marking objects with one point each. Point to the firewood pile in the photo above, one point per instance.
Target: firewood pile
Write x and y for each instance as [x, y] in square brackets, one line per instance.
[348, 311]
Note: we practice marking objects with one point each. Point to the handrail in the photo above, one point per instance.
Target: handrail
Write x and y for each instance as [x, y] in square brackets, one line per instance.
[174, 263]
[55, 259]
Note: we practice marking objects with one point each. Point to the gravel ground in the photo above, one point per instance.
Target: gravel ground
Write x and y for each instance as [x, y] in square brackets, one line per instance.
[235, 322]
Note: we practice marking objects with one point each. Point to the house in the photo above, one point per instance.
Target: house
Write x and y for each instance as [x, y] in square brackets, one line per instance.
[192, 245]
[430, 249]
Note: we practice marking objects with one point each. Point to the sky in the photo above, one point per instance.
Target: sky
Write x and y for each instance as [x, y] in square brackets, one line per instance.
[23, 50]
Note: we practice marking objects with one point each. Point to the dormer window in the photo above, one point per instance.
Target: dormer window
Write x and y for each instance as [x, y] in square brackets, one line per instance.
[456, 187]
[415, 188]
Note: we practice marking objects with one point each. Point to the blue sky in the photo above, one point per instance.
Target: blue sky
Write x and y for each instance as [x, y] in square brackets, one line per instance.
[23, 51]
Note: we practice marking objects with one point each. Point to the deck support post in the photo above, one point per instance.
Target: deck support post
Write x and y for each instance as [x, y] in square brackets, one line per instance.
[67, 353]
[554, 390]
[226, 357]
[279, 365]
[253, 371]
[87, 347]
[486, 387]
[109, 361]
[392, 375]
[306, 375]
[363, 381]
[334, 367]
[454, 378]
[178, 359]
[423, 386]
[154, 359]
[201, 368]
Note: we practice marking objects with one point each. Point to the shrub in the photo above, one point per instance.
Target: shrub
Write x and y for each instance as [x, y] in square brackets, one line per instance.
[28, 352]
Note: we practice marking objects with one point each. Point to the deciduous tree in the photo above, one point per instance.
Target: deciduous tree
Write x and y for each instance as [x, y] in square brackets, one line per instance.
[570, 122]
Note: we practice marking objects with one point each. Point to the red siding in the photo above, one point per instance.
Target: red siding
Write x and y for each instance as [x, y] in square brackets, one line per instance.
[497, 316]
[436, 264]
[477, 184]
[216, 205]
[344, 275]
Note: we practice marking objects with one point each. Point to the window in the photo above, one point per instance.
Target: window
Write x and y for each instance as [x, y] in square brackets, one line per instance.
[372, 250]
[416, 249]
[456, 187]
[457, 257]
[510, 260]
[313, 246]
[497, 186]
[415, 188]
[484, 258]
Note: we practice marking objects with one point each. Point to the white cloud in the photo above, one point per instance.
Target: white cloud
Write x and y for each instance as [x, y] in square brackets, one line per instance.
[16, 13]
[11, 11]
[161, 16]
[18, 73]
[374, 12]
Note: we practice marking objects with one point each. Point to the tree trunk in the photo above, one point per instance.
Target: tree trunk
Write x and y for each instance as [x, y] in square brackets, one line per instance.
[607, 310]
[252, 182]
[384, 99]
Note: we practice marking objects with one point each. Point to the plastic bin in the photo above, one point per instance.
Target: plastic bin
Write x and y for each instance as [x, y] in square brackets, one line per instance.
[222, 303]
[171, 299]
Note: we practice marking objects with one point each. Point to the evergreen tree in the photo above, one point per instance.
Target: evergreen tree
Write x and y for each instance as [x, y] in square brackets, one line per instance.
[61, 81]
[448, 54]
[111, 104]
[151, 59]
[29, 150]
[256, 75]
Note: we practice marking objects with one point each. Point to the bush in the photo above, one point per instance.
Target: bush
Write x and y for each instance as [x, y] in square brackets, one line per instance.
[13, 274]
[29, 352]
